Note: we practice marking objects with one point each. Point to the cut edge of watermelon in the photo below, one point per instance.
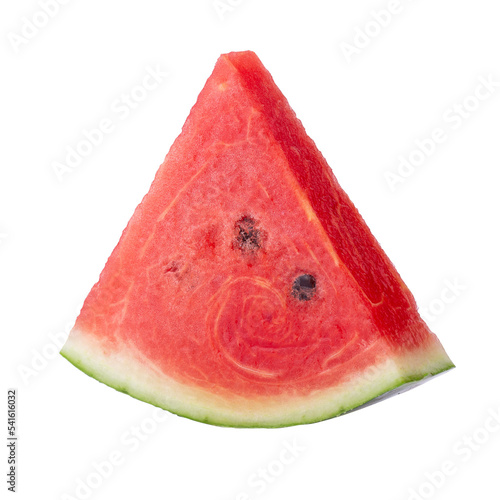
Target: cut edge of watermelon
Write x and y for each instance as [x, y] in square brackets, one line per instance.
[125, 371]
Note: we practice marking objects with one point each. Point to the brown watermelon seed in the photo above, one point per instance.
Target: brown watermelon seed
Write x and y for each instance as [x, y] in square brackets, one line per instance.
[248, 237]
[304, 287]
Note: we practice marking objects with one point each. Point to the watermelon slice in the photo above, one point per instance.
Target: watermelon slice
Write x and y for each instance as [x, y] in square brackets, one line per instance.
[247, 290]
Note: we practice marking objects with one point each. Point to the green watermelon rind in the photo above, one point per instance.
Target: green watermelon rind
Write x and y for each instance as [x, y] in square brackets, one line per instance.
[437, 362]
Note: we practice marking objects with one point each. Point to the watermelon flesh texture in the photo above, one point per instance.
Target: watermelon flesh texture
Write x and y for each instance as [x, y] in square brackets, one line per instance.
[246, 290]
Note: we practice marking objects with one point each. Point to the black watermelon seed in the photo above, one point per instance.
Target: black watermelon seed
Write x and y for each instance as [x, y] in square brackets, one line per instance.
[304, 287]
[248, 237]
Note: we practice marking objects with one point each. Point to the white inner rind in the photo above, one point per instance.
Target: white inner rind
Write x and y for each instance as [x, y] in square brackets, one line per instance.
[126, 371]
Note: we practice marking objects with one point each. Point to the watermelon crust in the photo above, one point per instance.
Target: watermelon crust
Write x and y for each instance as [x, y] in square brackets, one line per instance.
[126, 372]
[247, 290]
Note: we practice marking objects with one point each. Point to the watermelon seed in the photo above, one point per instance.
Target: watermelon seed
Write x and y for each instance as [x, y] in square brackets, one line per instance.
[304, 287]
[248, 236]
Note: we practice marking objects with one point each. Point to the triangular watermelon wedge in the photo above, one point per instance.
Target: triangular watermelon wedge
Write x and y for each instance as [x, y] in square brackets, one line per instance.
[247, 290]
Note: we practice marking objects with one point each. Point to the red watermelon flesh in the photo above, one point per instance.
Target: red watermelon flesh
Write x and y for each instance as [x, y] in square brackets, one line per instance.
[246, 289]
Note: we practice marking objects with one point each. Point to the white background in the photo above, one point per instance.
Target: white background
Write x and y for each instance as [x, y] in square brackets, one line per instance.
[439, 226]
